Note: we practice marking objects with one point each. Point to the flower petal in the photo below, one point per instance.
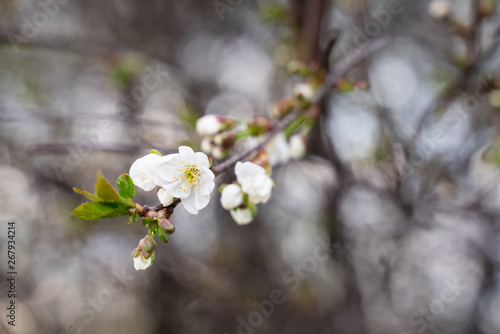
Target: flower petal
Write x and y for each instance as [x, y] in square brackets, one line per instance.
[170, 168]
[178, 189]
[241, 216]
[185, 150]
[245, 172]
[201, 159]
[207, 184]
[143, 171]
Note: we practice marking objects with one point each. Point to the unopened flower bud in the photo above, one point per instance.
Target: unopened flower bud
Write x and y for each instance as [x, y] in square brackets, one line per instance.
[439, 9]
[231, 196]
[139, 209]
[260, 124]
[262, 159]
[297, 146]
[144, 254]
[485, 8]
[211, 124]
[280, 109]
[225, 140]
[164, 196]
[142, 263]
[278, 150]
[219, 153]
[206, 145]
[147, 245]
[304, 91]
[166, 225]
[242, 216]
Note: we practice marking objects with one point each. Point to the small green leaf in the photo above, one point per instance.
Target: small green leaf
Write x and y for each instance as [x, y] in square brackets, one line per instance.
[133, 218]
[153, 227]
[155, 152]
[126, 186]
[89, 195]
[98, 210]
[105, 191]
[188, 117]
[146, 221]
[210, 162]
[162, 235]
[253, 208]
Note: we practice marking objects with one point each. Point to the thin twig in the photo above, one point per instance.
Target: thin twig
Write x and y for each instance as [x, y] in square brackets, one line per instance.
[342, 68]
[243, 154]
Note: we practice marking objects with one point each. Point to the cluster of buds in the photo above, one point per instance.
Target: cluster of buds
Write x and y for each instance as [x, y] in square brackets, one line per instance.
[302, 97]
[158, 224]
[253, 186]
[217, 135]
[220, 134]
[144, 254]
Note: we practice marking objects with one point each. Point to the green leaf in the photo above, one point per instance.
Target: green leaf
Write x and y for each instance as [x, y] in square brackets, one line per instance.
[152, 228]
[252, 207]
[162, 235]
[292, 127]
[89, 195]
[188, 117]
[155, 152]
[146, 221]
[133, 218]
[98, 210]
[105, 191]
[126, 186]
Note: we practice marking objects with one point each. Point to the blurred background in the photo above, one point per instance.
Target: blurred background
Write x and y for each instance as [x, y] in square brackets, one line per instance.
[389, 225]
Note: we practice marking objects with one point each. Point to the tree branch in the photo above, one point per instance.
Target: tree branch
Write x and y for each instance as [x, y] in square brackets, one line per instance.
[338, 71]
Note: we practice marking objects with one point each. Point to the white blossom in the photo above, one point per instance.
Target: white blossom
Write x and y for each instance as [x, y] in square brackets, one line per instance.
[297, 146]
[304, 90]
[218, 153]
[186, 175]
[206, 145]
[278, 150]
[144, 170]
[254, 181]
[242, 216]
[141, 263]
[164, 196]
[231, 196]
[208, 125]
[439, 9]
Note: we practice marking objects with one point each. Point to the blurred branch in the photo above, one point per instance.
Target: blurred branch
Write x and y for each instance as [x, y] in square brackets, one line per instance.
[69, 147]
[338, 71]
[87, 47]
[287, 120]
[312, 14]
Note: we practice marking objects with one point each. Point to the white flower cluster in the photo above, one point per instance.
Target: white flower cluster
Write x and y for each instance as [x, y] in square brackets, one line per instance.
[280, 151]
[214, 142]
[253, 186]
[185, 175]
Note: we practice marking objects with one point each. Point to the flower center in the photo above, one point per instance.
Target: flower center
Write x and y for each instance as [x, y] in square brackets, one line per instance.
[190, 175]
